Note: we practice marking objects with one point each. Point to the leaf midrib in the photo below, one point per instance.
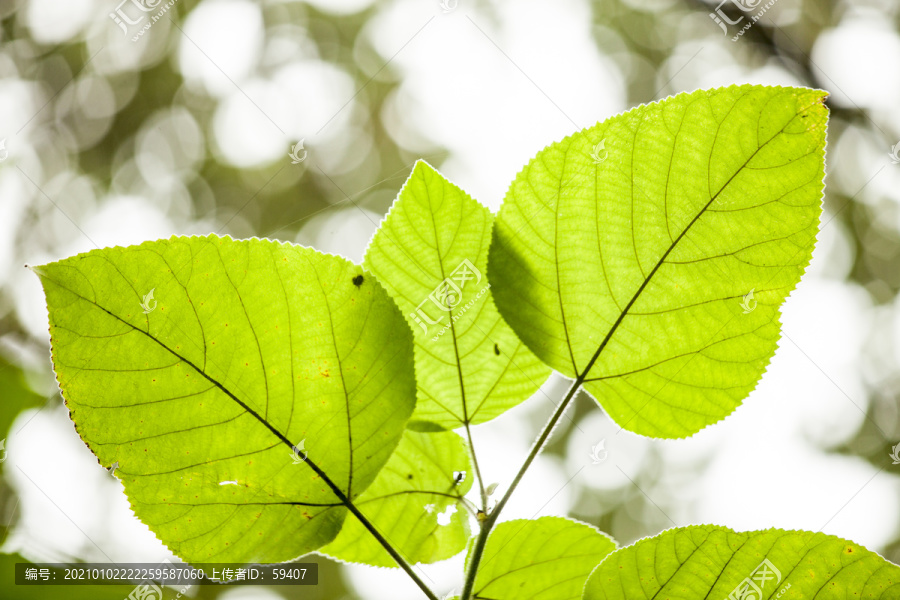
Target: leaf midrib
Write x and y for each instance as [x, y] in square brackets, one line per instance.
[583, 375]
[344, 499]
[437, 247]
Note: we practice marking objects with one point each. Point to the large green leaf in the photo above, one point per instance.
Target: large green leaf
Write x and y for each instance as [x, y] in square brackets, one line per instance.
[707, 561]
[410, 499]
[430, 253]
[621, 254]
[248, 349]
[543, 559]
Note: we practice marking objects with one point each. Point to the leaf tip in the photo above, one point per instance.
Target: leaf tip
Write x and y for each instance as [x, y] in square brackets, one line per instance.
[38, 270]
[423, 165]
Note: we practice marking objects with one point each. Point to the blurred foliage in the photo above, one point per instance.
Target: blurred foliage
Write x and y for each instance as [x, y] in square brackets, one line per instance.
[79, 160]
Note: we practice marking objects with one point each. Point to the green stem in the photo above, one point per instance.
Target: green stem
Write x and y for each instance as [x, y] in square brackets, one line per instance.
[484, 498]
[491, 520]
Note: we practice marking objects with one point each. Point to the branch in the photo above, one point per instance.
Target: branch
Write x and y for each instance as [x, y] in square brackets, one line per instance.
[484, 498]
[491, 520]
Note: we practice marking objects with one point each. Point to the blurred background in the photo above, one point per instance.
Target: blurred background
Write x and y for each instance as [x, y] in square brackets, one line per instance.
[300, 120]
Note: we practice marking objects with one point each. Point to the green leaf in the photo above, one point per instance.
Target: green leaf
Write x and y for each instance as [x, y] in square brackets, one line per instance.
[707, 561]
[246, 349]
[543, 559]
[621, 255]
[408, 501]
[430, 253]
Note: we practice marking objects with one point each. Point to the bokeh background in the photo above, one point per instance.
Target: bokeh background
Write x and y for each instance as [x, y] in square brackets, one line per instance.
[188, 130]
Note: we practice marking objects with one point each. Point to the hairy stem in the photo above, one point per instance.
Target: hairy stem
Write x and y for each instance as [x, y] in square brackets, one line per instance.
[491, 520]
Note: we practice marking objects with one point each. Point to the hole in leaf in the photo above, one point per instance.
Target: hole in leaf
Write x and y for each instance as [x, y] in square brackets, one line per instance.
[443, 518]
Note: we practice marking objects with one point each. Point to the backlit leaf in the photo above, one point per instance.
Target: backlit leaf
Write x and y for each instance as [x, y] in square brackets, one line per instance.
[707, 561]
[200, 363]
[648, 255]
[548, 558]
[430, 253]
[415, 502]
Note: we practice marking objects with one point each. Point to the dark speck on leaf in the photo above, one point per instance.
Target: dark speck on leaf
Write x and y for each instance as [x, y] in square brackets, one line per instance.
[358, 280]
[410, 476]
[496, 349]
